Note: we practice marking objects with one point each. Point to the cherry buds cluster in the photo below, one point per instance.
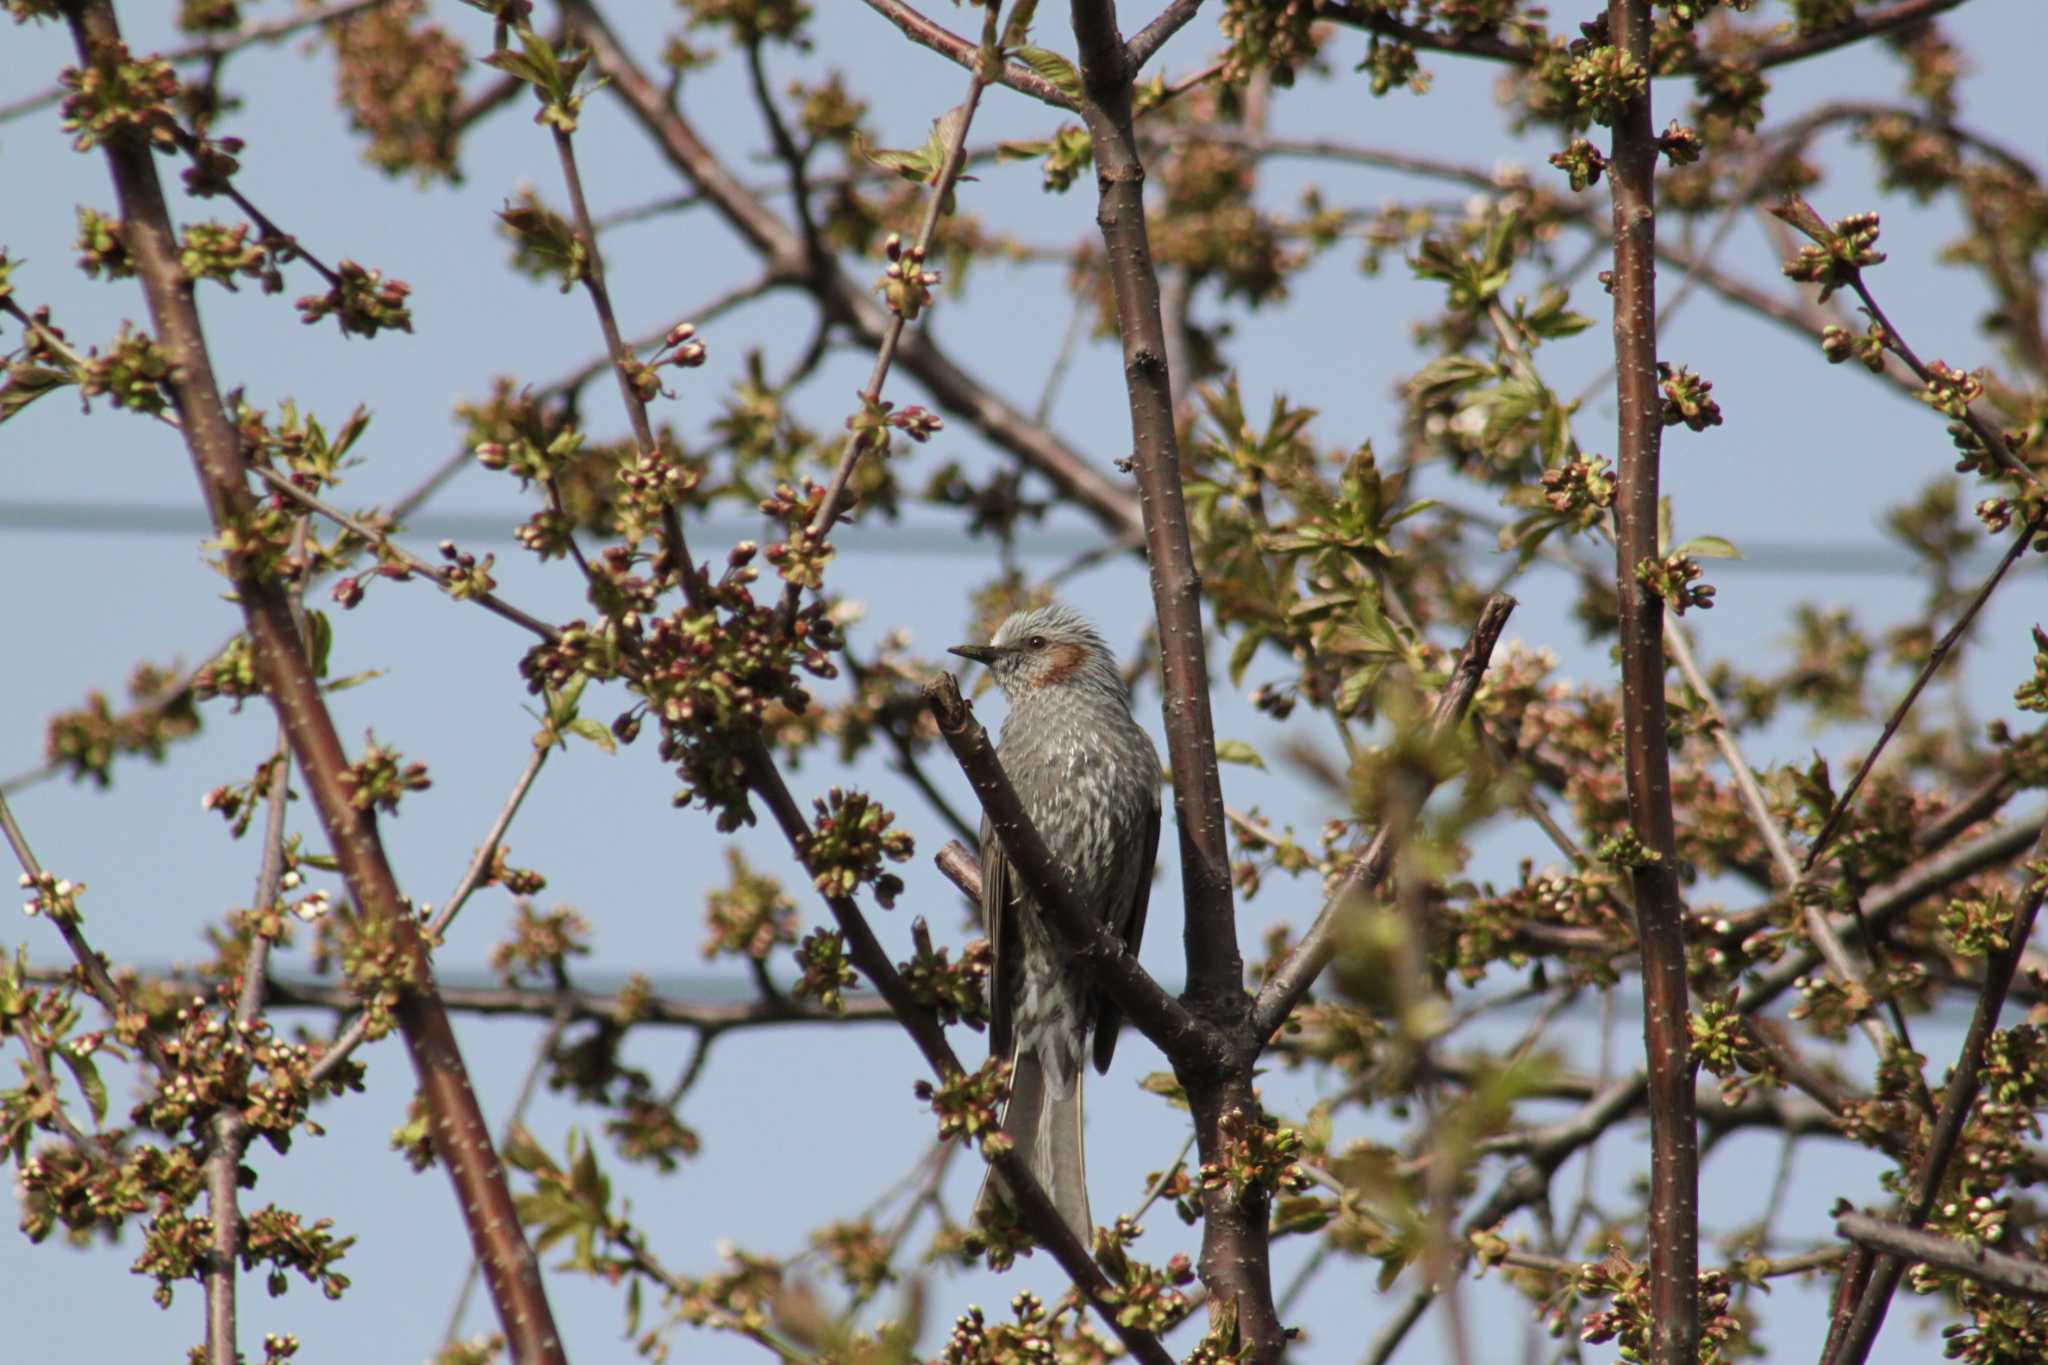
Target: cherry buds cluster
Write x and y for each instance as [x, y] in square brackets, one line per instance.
[53, 896]
[906, 286]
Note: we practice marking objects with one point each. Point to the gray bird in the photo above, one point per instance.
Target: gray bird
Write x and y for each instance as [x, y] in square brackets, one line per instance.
[1089, 778]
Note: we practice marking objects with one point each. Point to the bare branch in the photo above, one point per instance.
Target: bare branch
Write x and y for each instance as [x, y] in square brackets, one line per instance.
[958, 50]
[1660, 915]
[1156, 34]
[2001, 1270]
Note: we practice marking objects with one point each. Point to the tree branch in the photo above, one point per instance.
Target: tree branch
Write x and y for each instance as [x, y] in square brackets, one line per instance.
[1660, 915]
[1292, 978]
[2001, 1270]
[1902, 15]
[1215, 967]
[1961, 1093]
[460, 1136]
[1155, 35]
[845, 303]
[958, 50]
[1935, 658]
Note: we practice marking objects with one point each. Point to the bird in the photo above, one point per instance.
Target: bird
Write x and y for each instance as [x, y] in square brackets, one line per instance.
[1088, 776]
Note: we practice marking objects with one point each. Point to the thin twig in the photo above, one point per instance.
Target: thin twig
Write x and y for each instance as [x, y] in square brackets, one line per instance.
[1956, 1101]
[1811, 915]
[472, 877]
[911, 263]
[1933, 663]
[1291, 979]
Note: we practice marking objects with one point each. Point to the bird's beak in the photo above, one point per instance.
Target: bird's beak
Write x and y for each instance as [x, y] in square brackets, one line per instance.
[981, 654]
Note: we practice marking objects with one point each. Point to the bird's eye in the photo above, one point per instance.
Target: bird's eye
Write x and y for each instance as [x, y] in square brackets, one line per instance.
[1036, 642]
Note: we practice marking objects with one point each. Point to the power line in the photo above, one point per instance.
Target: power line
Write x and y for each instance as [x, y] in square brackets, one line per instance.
[80, 517]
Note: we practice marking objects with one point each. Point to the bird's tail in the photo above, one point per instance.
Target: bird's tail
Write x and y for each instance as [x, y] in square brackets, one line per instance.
[1043, 1123]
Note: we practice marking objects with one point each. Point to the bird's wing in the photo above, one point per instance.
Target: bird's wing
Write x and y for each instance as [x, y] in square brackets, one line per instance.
[995, 915]
[1128, 924]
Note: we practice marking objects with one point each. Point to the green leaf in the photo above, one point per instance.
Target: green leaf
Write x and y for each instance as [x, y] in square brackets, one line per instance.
[1238, 751]
[1057, 71]
[590, 728]
[1708, 547]
[1241, 653]
[1352, 694]
[26, 383]
[88, 1077]
[1166, 1084]
[353, 680]
[319, 640]
[914, 166]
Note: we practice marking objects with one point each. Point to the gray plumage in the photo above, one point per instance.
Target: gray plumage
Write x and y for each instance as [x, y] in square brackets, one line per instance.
[1089, 778]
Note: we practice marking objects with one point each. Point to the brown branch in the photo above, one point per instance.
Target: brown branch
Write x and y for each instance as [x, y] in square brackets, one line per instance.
[1660, 915]
[1215, 967]
[866, 952]
[2009, 1274]
[1902, 15]
[1156, 34]
[1856, 1339]
[961, 52]
[1292, 978]
[1235, 1256]
[765, 780]
[490, 602]
[1189, 1041]
[461, 1138]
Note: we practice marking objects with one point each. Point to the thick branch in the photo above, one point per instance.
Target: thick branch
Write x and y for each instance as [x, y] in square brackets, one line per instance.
[1235, 1261]
[1660, 916]
[1291, 980]
[1154, 35]
[1491, 48]
[461, 1139]
[1215, 966]
[1188, 1041]
[2003, 1271]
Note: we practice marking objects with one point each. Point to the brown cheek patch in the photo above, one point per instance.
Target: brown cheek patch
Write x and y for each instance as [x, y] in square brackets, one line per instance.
[1061, 663]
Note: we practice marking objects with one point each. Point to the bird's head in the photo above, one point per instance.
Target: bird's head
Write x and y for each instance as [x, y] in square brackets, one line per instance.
[1052, 649]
